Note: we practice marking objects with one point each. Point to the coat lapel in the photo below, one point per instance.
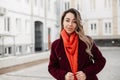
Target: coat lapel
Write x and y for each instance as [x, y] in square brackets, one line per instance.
[62, 55]
[81, 54]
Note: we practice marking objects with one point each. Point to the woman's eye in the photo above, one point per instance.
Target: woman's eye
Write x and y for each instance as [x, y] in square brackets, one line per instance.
[74, 21]
[67, 20]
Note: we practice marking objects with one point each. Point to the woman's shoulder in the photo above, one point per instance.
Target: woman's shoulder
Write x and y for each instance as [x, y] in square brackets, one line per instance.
[55, 42]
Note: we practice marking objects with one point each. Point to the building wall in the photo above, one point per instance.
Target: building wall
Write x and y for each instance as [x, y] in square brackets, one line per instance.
[101, 19]
[118, 9]
[18, 36]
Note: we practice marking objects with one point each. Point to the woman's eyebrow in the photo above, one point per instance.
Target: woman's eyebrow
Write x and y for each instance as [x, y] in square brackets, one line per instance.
[74, 19]
[69, 18]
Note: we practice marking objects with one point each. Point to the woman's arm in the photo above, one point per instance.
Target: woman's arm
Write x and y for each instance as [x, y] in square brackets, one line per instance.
[54, 67]
[99, 62]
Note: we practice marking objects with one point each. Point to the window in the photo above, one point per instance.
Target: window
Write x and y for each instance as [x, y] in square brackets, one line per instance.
[78, 7]
[93, 29]
[67, 5]
[107, 28]
[27, 26]
[7, 24]
[5, 50]
[9, 50]
[18, 24]
[20, 48]
[92, 4]
[108, 3]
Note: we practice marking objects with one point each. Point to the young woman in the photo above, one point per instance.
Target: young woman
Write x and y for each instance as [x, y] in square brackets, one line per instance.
[74, 56]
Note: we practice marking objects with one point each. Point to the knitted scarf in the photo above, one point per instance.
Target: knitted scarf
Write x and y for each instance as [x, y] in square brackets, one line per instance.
[71, 48]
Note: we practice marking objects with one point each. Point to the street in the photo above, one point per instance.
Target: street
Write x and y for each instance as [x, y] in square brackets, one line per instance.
[111, 70]
[38, 72]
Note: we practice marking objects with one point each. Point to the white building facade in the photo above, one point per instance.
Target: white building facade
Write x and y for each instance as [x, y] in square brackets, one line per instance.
[26, 26]
[101, 19]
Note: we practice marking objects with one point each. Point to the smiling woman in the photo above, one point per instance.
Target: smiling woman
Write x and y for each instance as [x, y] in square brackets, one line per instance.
[73, 53]
[69, 23]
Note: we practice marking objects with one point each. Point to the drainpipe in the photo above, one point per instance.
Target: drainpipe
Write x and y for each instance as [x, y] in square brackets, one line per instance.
[3, 48]
[115, 16]
[32, 27]
[44, 31]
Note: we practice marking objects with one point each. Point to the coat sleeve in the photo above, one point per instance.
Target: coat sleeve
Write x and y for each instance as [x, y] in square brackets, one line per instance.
[99, 62]
[53, 66]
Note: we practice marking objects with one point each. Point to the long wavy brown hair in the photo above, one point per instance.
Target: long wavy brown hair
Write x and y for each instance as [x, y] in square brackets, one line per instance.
[79, 29]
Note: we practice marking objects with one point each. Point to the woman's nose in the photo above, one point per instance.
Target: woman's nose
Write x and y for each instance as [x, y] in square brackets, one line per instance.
[70, 23]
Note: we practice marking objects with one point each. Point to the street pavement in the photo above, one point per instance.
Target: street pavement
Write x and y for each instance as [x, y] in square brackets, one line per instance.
[38, 72]
[111, 70]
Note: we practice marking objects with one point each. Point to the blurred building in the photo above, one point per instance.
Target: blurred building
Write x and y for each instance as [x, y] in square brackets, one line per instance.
[27, 26]
[101, 19]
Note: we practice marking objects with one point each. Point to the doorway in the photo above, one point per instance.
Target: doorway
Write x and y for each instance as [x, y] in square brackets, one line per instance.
[38, 36]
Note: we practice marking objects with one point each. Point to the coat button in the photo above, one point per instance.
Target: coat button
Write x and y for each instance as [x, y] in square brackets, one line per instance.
[59, 58]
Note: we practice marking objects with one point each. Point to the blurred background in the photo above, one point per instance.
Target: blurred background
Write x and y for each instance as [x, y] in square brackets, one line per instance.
[28, 27]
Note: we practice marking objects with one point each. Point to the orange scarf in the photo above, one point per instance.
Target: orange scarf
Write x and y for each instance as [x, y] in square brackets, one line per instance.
[71, 49]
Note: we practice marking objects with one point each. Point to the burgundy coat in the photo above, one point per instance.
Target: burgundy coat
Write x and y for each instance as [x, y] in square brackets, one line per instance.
[59, 65]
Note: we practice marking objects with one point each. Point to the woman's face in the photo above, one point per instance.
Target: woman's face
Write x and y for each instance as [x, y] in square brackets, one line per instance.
[69, 23]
